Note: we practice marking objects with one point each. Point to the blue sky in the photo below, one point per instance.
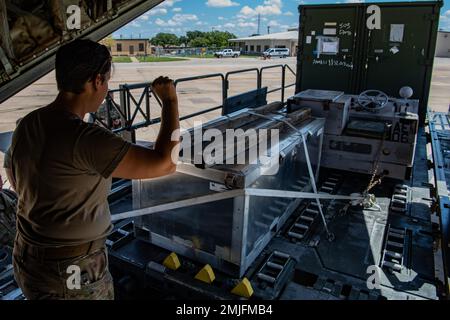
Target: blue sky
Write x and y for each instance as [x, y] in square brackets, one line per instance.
[236, 16]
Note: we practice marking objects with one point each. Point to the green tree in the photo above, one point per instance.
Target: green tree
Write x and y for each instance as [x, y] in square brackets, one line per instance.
[216, 39]
[183, 40]
[191, 35]
[219, 39]
[199, 42]
[165, 40]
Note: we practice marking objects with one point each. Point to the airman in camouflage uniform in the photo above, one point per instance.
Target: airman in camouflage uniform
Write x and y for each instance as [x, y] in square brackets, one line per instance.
[62, 169]
[7, 220]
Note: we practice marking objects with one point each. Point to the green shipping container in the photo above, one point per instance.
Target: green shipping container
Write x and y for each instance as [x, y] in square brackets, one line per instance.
[362, 46]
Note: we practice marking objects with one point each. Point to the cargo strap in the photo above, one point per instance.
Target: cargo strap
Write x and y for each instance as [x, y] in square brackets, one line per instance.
[268, 193]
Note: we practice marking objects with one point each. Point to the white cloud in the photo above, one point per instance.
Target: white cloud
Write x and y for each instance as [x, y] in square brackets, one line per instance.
[185, 17]
[221, 18]
[177, 20]
[288, 13]
[274, 2]
[154, 12]
[177, 9]
[175, 30]
[247, 24]
[273, 23]
[161, 22]
[445, 20]
[221, 3]
[269, 7]
[247, 11]
[157, 11]
[168, 3]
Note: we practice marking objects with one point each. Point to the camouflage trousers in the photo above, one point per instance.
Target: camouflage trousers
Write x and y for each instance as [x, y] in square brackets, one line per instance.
[82, 278]
[7, 220]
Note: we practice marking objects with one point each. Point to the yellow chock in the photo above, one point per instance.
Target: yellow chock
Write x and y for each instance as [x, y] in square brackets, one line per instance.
[196, 242]
[172, 262]
[206, 274]
[243, 289]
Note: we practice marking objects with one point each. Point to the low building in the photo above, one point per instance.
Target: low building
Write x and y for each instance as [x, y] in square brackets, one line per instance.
[443, 44]
[130, 47]
[259, 44]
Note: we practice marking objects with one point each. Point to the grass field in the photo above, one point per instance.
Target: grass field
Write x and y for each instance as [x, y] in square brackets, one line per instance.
[159, 59]
[121, 59]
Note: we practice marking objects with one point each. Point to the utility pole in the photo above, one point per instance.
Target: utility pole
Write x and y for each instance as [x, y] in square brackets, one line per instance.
[268, 29]
[259, 23]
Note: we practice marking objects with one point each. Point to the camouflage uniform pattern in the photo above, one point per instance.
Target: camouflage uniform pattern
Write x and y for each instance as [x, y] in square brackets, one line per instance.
[8, 205]
[42, 279]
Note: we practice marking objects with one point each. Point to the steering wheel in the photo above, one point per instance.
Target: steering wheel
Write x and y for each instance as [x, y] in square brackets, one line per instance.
[373, 100]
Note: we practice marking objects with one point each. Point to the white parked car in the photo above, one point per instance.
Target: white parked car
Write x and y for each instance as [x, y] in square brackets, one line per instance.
[276, 53]
[227, 53]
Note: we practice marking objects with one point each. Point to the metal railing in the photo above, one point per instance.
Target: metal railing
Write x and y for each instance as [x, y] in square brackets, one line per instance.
[208, 76]
[122, 117]
[227, 81]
